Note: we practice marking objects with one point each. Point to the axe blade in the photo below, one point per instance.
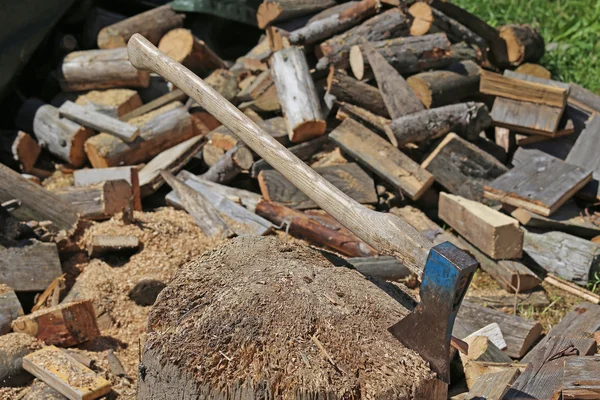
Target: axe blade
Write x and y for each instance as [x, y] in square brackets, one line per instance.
[428, 329]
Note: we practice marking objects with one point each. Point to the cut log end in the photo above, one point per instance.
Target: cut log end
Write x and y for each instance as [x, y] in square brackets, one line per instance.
[77, 155]
[421, 89]
[523, 43]
[267, 12]
[308, 130]
[177, 44]
[108, 40]
[423, 18]
[243, 158]
[357, 62]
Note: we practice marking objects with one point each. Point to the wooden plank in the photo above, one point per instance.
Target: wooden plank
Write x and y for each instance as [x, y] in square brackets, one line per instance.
[242, 221]
[175, 95]
[94, 176]
[171, 160]
[100, 201]
[581, 378]
[567, 256]
[101, 244]
[519, 333]
[585, 152]
[64, 325]
[30, 268]
[541, 185]
[65, 374]
[494, 233]
[523, 90]
[381, 157]
[349, 178]
[462, 168]
[531, 118]
[37, 203]
[10, 308]
[493, 386]
[542, 379]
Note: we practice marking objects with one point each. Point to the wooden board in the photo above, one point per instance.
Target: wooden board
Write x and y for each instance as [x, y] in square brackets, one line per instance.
[381, 157]
[521, 116]
[349, 178]
[30, 268]
[584, 99]
[541, 185]
[175, 95]
[462, 168]
[94, 176]
[581, 378]
[585, 152]
[494, 233]
[523, 90]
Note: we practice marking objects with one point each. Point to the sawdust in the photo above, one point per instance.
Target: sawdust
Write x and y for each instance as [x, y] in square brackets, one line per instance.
[262, 312]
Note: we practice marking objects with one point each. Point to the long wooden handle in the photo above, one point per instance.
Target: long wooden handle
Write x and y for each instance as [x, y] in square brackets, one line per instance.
[385, 232]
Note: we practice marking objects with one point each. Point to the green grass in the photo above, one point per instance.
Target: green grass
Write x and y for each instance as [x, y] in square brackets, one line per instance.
[571, 26]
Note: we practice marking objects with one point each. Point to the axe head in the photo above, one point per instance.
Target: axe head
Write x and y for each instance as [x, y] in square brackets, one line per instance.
[428, 329]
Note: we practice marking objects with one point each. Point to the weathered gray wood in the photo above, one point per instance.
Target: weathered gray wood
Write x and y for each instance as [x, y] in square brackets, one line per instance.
[100, 201]
[205, 215]
[171, 160]
[98, 121]
[384, 267]
[456, 31]
[493, 386]
[350, 90]
[585, 153]
[10, 308]
[94, 176]
[564, 255]
[584, 99]
[31, 267]
[234, 161]
[397, 95]
[519, 333]
[462, 168]
[101, 244]
[492, 332]
[581, 378]
[381, 157]
[303, 151]
[523, 43]
[376, 123]
[533, 299]
[494, 233]
[349, 178]
[244, 222]
[272, 11]
[542, 379]
[541, 185]
[297, 94]
[464, 119]
[525, 117]
[36, 202]
[175, 95]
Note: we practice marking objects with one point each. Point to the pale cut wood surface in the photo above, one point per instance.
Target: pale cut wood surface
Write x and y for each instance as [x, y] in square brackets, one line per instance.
[100, 201]
[271, 11]
[94, 176]
[175, 95]
[381, 157]
[492, 332]
[494, 233]
[581, 378]
[390, 236]
[522, 90]
[111, 102]
[30, 268]
[98, 121]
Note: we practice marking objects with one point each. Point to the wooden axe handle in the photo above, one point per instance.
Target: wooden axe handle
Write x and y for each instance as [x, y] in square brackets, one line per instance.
[387, 233]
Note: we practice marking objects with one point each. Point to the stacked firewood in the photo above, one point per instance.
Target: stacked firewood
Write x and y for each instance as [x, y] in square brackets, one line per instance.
[416, 108]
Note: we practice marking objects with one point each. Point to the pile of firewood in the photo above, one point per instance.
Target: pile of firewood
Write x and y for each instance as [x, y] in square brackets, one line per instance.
[416, 108]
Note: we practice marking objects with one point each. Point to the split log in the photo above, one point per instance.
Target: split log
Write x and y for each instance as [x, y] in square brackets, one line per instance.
[441, 88]
[98, 202]
[492, 332]
[100, 69]
[494, 233]
[376, 123]
[26, 151]
[567, 256]
[259, 85]
[113, 102]
[542, 184]
[271, 11]
[234, 161]
[349, 178]
[94, 176]
[64, 325]
[481, 349]
[493, 386]
[152, 24]
[10, 308]
[13, 347]
[61, 137]
[583, 99]
[171, 160]
[382, 267]
[523, 90]
[350, 90]
[65, 374]
[98, 121]
[102, 244]
[462, 168]
[242, 221]
[298, 96]
[145, 291]
[407, 55]
[205, 215]
[30, 268]
[182, 46]
[465, 119]
[398, 97]
[175, 95]
[584, 154]
[336, 21]
[524, 44]
[303, 151]
[386, 161]
[335, 51]
[225, 82]
[581, 378]
[534, 70]
[159, 130]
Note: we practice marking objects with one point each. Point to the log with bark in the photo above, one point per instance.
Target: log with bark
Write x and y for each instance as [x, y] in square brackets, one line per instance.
[100, 69]
[185, 48]
[524, 44]
[350, 90]
[10, 308]
[271, 11]
[152, 24]
[376, 123]
[239, 158]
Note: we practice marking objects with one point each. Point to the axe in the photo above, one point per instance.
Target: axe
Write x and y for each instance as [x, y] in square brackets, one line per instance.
[445, 270]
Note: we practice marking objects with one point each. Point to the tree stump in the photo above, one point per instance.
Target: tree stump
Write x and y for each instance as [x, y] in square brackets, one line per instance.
[259, 318]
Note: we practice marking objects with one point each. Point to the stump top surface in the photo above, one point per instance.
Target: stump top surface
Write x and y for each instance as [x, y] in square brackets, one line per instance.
[243, 319]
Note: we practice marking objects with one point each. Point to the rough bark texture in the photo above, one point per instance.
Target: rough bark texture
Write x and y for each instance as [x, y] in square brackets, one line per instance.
[348, 89]
[524, 43]
[269, 364]
[233, 162]
[272, 11]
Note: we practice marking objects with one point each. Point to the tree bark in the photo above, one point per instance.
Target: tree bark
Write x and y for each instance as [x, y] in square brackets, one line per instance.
[151, 24]
[271, 11]
[377, 124]
[524, 43]
[10, 308]
[182, 46]
[100, 69]
[466, 119]
[298, 96]
[233, 162]
[350, 90]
